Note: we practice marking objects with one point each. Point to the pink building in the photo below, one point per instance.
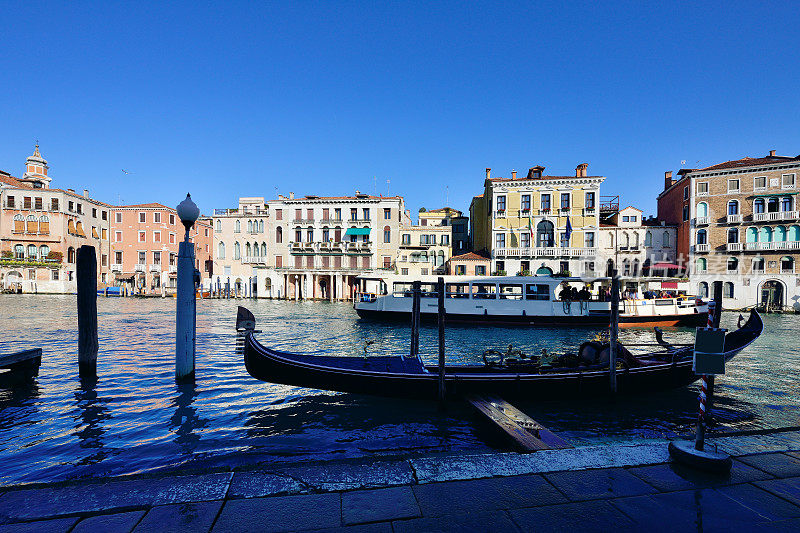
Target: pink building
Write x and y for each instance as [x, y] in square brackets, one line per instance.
[144, 247]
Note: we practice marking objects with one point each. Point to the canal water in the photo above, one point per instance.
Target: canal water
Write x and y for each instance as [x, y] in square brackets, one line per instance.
[136, 419]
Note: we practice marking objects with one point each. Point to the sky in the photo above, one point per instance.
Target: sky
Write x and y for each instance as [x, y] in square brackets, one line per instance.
[235, 99]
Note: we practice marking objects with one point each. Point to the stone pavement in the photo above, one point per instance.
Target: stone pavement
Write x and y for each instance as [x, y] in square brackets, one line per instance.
[628, 487]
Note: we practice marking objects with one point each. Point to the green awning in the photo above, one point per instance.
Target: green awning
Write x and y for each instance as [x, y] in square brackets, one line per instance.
[357, 231]
[775, 194]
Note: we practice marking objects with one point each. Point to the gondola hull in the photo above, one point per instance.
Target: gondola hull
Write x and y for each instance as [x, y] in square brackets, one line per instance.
[407, 378]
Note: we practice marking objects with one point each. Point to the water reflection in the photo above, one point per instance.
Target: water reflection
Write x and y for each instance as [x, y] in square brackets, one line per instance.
[185, 420]
[18, 403]
[90, 419]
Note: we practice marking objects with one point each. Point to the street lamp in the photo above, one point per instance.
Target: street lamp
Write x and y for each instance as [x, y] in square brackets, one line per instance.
[188, 212]
[186, 311]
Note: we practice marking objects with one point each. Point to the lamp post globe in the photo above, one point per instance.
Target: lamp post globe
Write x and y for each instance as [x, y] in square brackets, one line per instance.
[188, 213]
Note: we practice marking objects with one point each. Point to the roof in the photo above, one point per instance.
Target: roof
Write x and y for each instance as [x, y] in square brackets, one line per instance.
[152, 205]
[501, 180]
[442, 210]
[359, 197]
[469, 256]
[751, 162]
[8, 179]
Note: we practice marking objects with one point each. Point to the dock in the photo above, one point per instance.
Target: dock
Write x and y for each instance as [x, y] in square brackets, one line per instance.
[20, 365]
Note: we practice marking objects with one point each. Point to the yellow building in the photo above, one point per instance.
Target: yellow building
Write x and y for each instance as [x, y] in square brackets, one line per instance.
[538, 224]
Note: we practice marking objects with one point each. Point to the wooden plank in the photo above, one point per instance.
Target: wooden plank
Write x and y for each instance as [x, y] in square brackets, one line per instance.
[521, 436]
[18, 357]
[538, 430]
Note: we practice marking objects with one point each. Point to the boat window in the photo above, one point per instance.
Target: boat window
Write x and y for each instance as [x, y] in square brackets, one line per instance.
[537, 292]
[484, 291]
[510, 291]
[429, 290]
[666, 301]
[402, 290]
[457, 290]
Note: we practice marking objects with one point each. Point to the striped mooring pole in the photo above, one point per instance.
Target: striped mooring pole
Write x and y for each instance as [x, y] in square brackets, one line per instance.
[704, 388]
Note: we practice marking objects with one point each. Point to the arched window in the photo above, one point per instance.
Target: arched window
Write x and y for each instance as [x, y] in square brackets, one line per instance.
[440, 258]
[636, 240]
[648, 239]
[702, 265]
[666, 240]
[728, 290]
[19, 252]
[758, 264]
[758, 205]
[780, 234]
[733, 207]
[326, 234]
[733, 264]
[794, 233]
[32, 224]
[733, 235]
[237, 251]
[70, 255]
[19, 224]
[249, 226]
[44, 225]
[263, 249]
[703, 289]
[702, 237]
[702, 209]
[765, 235]
[44, 251]
[626, 241]
[772, 205]
[545, 234]
[221, 251]
[219, 225]
[387, 234]
[261, 226]
[247, 249]
[626, 267]
[256, 250]
[752, 235]
[33, 252]
[787, 265]
[786, 203]
[278, 235]
[635, 271]
[238, 226]
[610, 240]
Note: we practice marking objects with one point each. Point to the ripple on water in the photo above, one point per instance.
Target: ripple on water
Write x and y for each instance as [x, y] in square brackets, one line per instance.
[136, 419]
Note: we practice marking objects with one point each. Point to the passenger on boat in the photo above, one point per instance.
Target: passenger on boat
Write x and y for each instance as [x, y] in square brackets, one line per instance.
[584, 295]
[566, 294]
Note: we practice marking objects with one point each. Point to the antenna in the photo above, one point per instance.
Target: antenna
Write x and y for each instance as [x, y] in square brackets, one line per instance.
[446, 195]
[387, 187]
[375, 184]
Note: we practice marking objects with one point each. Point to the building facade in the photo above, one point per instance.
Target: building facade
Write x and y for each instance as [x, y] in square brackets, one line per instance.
[447, 216]
[144, 247]
[41, 229]
[469, 264]
[538, 224]
[636, 246]
[424, 249]
[742, 227]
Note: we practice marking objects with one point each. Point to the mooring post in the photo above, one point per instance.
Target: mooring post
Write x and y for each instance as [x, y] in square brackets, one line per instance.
[185, 297]
[715, 324]
[86, 277]
[614, 332]
[441, 314]
[415, 305]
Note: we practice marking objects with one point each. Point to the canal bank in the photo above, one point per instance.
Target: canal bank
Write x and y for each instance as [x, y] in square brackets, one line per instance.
[626, 486]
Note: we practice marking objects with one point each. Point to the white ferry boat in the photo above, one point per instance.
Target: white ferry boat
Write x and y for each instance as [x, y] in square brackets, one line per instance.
[534, 300]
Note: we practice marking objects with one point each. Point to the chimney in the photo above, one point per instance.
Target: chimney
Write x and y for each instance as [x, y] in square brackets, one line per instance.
[71, 190]
[86, 193]
[488, 173]
[513, 174]
[667, 180]
[772, 153]
[291, 196]
[580, 170]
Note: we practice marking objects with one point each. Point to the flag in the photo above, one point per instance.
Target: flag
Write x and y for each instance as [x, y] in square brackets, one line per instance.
[568, 232]
[530, 227]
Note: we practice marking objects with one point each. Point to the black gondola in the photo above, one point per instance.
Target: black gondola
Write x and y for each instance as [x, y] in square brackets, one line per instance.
[397, 376]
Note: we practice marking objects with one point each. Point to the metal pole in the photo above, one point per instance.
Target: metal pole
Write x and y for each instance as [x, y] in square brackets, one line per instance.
[86, 278]
[415, 305]
[614, 330]
[441, 315]
[185, 305]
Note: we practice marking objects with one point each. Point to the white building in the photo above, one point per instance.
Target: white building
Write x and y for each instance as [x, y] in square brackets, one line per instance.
[635, 245]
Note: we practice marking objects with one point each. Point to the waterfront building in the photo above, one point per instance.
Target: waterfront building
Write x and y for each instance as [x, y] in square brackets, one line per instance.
[425, 248]
[738, 222]
[469, 264]
[537, 223]
[321, 244]
[41, 229]
[447, 216]
[144, 247]
[636, 245]
[242, 246]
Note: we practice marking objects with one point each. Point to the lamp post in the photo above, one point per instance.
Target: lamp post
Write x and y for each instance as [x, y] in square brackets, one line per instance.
[186, 304]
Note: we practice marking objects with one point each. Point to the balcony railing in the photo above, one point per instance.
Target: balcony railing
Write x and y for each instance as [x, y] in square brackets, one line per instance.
[116, 267]
[701, 221]
[329, 247]
[140, 267]
[155, 267]
[701, 248]
[735, 219]
[173, 269]
[777, 215]
[779, 245]
[550, 251]
[734, 247]
[254, 260]
[303, 221]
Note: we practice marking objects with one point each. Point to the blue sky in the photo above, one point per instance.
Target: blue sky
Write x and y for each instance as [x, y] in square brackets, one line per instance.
[243, 99]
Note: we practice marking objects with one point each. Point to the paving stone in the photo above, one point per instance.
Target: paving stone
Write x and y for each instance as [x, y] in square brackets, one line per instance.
[691, 510]
[580, 516]
[109, 523]
[59, 525]
[436, 499]
[483, 522]
[759, 500]
[596, 484]
[776, 464]
[788, 488]
[378, 505]
[351, 475]
[255, 484]
[280, 513]
[179, 517]
[30, 504]
[673, 476]
[377, 527]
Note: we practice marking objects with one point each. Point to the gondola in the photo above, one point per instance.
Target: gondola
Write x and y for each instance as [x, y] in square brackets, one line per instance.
[664, 368]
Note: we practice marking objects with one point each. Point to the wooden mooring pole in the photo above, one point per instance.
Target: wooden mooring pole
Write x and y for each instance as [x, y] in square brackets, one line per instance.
[86, 277]
[614, 332]
[441, 314]
[415, 311]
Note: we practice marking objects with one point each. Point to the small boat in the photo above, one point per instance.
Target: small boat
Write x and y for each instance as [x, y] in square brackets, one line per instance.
[533, 301]
[586, 373]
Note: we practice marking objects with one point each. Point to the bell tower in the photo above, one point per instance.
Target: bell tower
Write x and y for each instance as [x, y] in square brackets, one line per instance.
[36, 170]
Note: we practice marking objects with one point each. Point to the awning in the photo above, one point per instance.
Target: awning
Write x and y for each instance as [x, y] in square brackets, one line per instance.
[125, 275]
[768, 195]
[357, 231]
[665, 266]
[669, 284]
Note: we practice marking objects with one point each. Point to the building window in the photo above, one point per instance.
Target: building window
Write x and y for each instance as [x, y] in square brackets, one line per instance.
[238, 226]
[310, 234]
[545, 203]
[406, 239]
[685, 213]
[219, 226]
[156, 258]
[10, 202]
[404, 271]
[55, 275]
[564, 201]
[686, 193]
[501, 204]
[117, 236]
[387, 213]
[445, 240]
[156, 236]
[172, 238]
[589, 200]
[525, 203]
[142, 217]
[589, 239]
[237, 251]
[461, 270]
[733, 235]
[500, 266]
[786, 203]
[666, 240]
[733, 185]
[648, 239]
[387, 234]
[298, 235]
[733, 207]
[525, 240]
[142, 236]
[787, 181]
[118, 258]
[733, 264]
[157, 217]
[279, 235]
[500, 240]
[702, 237]
[787, 265]
[759, 183]
[702, 189]
[545, 234]
[564, 240]
[703, 289]
[353, 214]
[480, 270]
[728, 290]
[759, 205]
[171, 219]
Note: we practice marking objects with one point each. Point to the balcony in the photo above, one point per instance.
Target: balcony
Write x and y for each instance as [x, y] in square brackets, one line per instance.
[701, 221]
[549, 251]
[116, 267]
[701, 248]
[140, 267]
[303, 221]
[779, 245]
[734, 247]
[173, 269]
[735, 219]
[774, 216]
[155, 267]
[254, 260]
